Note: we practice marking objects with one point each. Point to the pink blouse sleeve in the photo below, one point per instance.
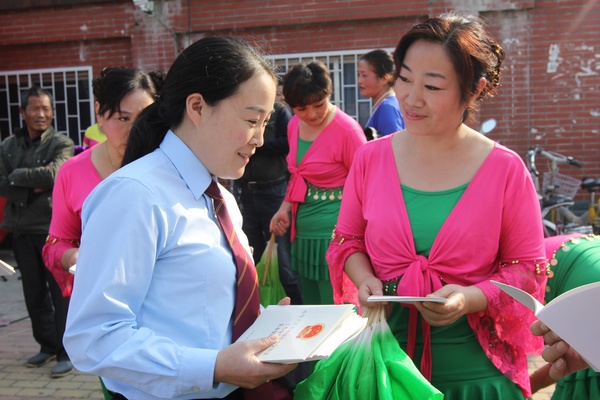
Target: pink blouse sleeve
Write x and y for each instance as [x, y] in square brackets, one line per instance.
[52, 253]
[348, 237]
[503, 329]
[65, 233]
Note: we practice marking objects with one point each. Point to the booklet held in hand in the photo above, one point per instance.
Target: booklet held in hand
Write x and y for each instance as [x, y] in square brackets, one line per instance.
[405, 299]
[573, 316]
[306, 333]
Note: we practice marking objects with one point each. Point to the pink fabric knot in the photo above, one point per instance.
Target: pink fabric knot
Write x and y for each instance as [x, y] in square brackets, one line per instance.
[423, 262]
[296, 186]
[419, 279]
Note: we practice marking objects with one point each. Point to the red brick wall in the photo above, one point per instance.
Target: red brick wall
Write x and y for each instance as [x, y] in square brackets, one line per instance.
[99, 35]
[550, 94]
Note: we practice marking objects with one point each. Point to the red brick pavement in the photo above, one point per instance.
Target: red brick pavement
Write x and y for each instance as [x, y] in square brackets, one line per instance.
[19, 382]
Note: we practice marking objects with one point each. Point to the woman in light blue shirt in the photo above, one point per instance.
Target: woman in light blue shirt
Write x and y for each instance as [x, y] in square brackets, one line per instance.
[152, 309]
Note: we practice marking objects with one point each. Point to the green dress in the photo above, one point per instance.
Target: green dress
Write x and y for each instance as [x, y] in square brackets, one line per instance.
[460, 368]
[575, 263]
[315, 220]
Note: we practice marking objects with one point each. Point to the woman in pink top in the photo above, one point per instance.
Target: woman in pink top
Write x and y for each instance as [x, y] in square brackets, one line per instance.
[439, 209]
[120, 93]
[323, 140]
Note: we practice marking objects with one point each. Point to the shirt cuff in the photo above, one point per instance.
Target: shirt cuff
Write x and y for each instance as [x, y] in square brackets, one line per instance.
[198, 370]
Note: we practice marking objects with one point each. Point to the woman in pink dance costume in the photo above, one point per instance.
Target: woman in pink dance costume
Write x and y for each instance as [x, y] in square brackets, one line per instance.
[323, 140]
[120, 94]
[439, 209]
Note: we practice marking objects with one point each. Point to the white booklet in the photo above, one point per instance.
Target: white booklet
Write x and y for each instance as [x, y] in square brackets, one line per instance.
[406, 299]
[306, 333]
[6, 268]
[573, 316]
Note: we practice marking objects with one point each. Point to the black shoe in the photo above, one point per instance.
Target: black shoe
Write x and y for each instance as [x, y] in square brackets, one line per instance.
[62, 368]
[39, 359]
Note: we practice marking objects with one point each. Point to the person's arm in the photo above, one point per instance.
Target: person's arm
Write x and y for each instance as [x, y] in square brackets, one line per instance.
[565, 360]
[359, 269]
[129, 284]
[13, 194]
[59, 149]
[462, 300]
[354, 138]
[349, 264]
[521, 253]
[281, 220]
[540, 378]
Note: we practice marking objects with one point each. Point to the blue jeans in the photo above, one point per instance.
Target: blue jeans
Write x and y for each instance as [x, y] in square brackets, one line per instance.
[258, 207]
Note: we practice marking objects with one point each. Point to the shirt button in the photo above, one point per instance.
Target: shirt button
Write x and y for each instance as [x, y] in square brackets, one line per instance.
[195, 389]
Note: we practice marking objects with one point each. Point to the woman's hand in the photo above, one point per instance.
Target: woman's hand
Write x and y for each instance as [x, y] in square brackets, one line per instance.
[286, 301]
[238, 365]
[564, 359]
[69, 258]
[461, 300]
[280, 222]
[370, 286]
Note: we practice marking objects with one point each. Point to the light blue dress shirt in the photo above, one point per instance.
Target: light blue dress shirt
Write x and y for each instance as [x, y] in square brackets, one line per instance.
[155, 284]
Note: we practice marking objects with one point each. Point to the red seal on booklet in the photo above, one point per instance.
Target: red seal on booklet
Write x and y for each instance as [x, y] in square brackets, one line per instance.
[310, 331]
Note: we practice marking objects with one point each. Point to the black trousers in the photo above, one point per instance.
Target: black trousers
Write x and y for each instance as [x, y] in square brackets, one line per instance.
[46, 306]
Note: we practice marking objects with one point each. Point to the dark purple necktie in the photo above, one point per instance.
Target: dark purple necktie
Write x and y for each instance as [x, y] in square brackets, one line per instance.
[247, 303]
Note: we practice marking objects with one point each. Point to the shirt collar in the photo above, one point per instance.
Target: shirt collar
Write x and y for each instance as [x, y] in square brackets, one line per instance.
[191, 169]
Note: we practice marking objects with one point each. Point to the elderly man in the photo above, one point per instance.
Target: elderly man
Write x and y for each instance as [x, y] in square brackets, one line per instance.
[29, 160]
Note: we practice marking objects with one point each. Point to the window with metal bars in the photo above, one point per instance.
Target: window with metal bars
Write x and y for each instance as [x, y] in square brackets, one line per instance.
[72, 92]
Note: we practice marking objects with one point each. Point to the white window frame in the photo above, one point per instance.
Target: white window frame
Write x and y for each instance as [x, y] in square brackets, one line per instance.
[71, 89]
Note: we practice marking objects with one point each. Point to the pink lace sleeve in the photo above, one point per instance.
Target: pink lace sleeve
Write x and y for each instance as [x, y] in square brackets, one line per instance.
[52, 253]
[341, 247]
[503, 329]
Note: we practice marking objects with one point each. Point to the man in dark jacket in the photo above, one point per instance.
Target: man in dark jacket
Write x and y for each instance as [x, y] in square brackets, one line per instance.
[29, 160]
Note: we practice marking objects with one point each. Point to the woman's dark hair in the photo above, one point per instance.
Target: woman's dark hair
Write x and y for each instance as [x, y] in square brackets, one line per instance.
[472, 51]
[307, 83]
[215, 67]
[382, 63]
[115, 83]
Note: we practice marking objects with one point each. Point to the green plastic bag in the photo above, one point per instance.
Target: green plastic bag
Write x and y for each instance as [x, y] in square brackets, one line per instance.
[371, 366]
[270, 288]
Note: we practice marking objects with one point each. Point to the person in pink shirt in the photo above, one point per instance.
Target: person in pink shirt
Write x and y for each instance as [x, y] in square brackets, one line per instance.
[439, 210]
[322, 140]
[120, 94]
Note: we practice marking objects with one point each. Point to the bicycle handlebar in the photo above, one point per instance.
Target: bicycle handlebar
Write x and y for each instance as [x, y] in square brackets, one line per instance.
[572, 161]
[553, 156]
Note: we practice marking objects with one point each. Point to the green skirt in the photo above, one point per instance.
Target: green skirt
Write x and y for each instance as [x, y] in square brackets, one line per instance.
[575, 264]
[315, 220]
[460, 368]
[582, 385]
